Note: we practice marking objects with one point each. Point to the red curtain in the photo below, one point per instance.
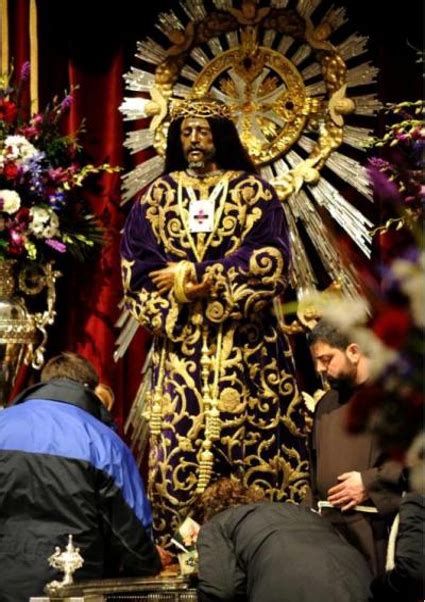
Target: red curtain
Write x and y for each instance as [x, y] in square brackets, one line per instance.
[88, 294]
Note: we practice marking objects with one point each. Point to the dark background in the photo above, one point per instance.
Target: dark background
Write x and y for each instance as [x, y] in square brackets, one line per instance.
[91, 32]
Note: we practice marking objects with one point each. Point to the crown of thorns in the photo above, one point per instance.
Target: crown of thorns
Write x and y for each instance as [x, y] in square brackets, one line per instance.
[199, 107]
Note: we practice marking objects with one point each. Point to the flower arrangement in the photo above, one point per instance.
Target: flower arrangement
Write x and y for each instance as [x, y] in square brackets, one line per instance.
[42, 211]
[390, 326]
[391, 333]
[398, 176]
[392, 330]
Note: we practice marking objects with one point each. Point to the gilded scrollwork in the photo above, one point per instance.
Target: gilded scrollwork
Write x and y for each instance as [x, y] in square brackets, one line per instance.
[222, 382]
[270, 104]
[285, 74]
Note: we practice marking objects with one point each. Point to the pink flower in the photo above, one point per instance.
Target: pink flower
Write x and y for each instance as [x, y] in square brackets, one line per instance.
[57, 174]
[25, 71]
[56, 245]
[29, 131]
[37, 120]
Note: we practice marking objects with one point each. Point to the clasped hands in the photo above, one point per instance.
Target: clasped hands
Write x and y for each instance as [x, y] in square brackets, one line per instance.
[349, 492]
[164, 280]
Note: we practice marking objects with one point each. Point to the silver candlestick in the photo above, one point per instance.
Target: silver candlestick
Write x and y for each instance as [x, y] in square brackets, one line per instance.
[67, 562]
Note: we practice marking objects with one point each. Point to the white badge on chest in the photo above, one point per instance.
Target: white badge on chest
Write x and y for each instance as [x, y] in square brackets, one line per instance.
[201, 215]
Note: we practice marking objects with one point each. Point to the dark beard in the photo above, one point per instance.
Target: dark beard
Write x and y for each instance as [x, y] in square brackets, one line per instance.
[196, 164]
[344, 386]
[206, 157]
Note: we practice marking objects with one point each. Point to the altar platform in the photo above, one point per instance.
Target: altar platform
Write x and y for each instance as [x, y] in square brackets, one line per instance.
[166, 587]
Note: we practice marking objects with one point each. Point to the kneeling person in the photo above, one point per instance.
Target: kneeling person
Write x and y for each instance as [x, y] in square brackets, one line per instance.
[261, 551]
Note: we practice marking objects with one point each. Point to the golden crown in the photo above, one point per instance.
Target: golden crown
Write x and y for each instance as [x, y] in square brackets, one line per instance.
[199, 107]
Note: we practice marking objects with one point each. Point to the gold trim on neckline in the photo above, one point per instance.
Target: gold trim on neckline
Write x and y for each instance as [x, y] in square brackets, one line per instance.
[183, 213]
[204, 181]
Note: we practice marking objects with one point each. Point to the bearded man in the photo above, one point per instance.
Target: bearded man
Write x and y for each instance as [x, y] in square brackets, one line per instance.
[204, 255]
[356, 486]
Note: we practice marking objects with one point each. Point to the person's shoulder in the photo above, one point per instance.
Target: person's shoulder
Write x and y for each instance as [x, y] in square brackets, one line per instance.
[240, 512]
[150, 193]
[107, 448]
[11, 412]
[260, 188]
[413, 503]
[252, 178]
[329, 402]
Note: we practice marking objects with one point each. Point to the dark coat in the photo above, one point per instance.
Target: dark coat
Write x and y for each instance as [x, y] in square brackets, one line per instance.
[63, 471]
[336, 451]
[277, 552]
[406, 580]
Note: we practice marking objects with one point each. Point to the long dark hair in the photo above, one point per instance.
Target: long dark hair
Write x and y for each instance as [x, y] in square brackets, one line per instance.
[229, 151]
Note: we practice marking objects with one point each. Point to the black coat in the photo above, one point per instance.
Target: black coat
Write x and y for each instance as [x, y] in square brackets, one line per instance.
[277, 552]
[63, 471]
[406, 580]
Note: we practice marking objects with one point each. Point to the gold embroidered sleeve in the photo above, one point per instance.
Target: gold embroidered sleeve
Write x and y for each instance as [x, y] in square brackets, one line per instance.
[141, 254]
[238, 292]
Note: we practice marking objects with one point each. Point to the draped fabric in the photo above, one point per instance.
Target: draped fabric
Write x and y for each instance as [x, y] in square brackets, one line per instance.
[223, 398]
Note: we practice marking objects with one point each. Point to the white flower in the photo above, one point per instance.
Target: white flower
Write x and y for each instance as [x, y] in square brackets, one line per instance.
[10, 201]
[412, 283]
[346, 312]
[415, 460]
[380, 356]
[45, 222]
[19, 148]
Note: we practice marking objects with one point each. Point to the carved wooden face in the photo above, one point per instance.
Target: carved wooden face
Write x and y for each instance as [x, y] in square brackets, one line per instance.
[197, 142]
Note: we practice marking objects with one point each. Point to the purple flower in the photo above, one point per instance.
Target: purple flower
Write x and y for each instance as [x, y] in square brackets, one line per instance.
[56, 245]
[25, 71]
[57, 200]
[382, 185]
[67, 102]
[378, 163]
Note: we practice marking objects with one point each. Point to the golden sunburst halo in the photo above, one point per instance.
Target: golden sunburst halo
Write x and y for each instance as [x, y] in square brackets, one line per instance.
[300, 92]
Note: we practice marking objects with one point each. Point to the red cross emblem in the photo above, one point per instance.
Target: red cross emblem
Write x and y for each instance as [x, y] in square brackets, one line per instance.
[200, 216]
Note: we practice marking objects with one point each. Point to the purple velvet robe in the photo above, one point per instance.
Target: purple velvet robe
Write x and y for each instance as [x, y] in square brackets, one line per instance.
[250, 371]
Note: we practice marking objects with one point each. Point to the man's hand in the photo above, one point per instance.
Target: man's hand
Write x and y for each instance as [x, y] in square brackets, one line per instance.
[164, 279]
[195, 291]
[349, 492]
[165, 557]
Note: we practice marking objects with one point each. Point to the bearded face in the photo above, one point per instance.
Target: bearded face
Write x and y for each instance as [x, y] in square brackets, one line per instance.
[334, 363]
[197, 142]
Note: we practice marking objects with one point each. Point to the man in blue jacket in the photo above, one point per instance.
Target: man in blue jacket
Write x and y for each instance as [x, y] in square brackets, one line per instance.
[63, 470]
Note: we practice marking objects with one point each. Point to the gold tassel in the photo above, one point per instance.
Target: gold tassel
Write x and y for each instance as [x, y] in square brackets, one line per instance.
[211, 411]
[155, 415]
